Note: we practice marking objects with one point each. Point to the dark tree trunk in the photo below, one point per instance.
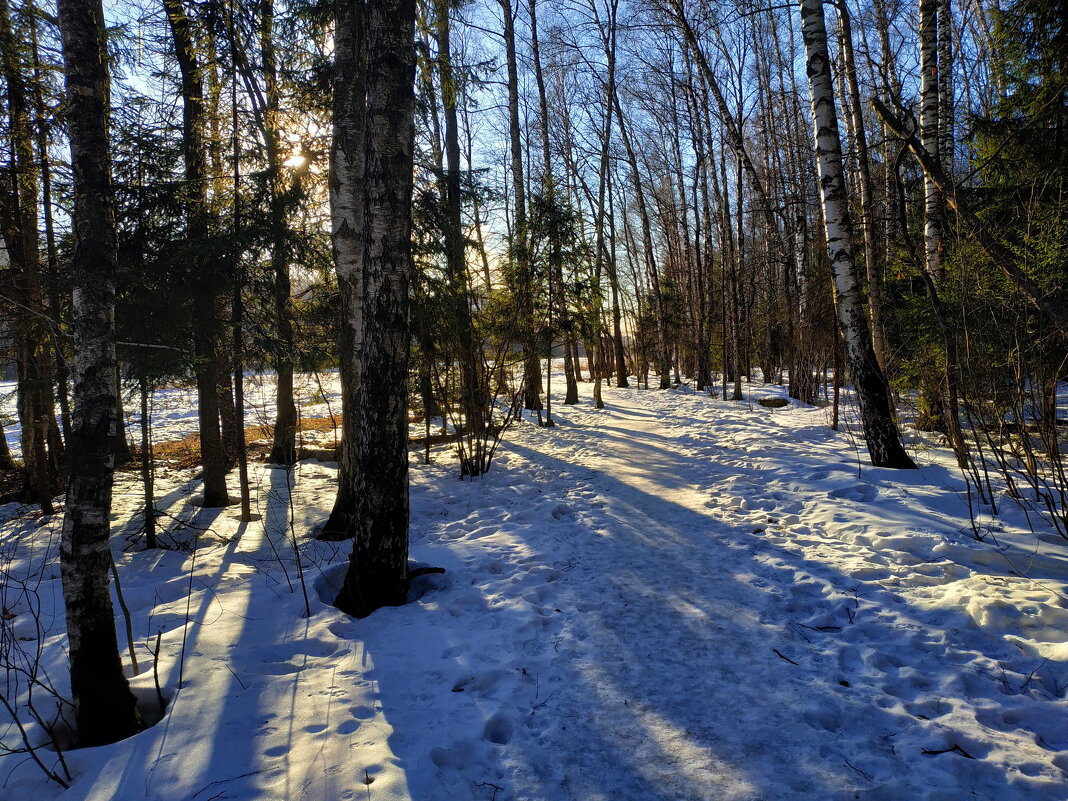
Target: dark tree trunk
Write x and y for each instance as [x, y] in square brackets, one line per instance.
[18, 215]
[123, 452]
[523, 280]
[474, 394]
[557, 298]
[378, 566]
[204, 279]
[663, 352]
[237, 310]
[6, 462]
[855, 117]
[104, 706]
[147, 478]
[283, 449]
[231, 431]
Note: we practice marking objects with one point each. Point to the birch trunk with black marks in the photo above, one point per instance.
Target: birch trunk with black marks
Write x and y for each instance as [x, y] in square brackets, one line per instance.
[378, 566]
[931, 415]
[946, 105]
[929, 129]
[105, 709]
[347, 163]
[880, 430]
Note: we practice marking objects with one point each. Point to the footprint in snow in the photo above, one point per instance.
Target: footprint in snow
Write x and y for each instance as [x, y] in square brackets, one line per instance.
[481, 682]
[863, 493]
[459, 755]
[498, 729]
[826, 719]
[931, 708]
[348, 727]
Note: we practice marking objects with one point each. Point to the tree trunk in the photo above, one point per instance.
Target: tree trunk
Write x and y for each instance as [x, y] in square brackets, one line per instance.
[663, 352]
[6, 462]
[205, 322]
[123, 453]
[237, 311]
[556, 267]
[146, 467]
[929, 129]
[931, 416]
[378, 566]
[283, 448]
[232, 436]
[867, 202]
[608, 41]
[880, 430]
[523, 278]
[347, 164]
[474, 394]
[52, 280]
[18, 211]
[104, 707]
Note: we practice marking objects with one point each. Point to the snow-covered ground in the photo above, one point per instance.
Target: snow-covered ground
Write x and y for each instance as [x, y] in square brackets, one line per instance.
[675, 597]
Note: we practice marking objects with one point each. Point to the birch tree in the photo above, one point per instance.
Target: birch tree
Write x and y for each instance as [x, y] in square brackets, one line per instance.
[378, 566]
[347, 219]
[880, 430]
[104, 707]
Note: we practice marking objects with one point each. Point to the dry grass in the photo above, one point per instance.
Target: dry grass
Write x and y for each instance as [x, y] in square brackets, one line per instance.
[184, 453]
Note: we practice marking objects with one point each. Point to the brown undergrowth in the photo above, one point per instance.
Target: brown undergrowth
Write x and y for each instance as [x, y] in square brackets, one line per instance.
[184, 453]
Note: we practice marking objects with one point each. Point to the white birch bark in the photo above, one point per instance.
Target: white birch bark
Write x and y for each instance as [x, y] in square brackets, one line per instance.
[378, 566]
[929, 129]
[104, 707]
[880, 430]
[347, 157]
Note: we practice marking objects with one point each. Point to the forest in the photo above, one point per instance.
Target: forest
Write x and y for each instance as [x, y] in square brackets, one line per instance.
[509, 377]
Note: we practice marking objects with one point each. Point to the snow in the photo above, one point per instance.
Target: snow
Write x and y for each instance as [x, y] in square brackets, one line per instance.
[676, 597]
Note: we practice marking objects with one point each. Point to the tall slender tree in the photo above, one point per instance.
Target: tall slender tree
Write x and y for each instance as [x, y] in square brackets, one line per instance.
[880, 430]
[522, 278]
[19, 222]
[104, 707]
[347, 165]
[283, 449]
[203, 279]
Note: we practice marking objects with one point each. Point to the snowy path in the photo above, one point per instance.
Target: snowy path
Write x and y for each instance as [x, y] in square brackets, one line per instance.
[668, 682]
[673, 598]
[685, 556]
